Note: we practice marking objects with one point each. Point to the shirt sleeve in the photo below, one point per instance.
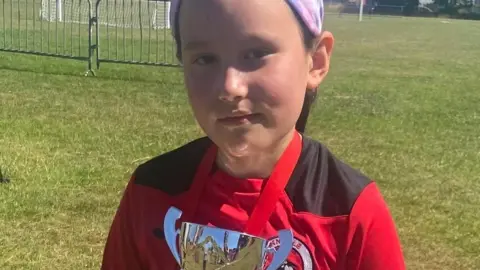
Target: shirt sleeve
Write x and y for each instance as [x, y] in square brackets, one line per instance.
[373, 240]
[120, 251]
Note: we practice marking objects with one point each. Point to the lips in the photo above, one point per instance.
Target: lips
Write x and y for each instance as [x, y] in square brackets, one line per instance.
[239, 119]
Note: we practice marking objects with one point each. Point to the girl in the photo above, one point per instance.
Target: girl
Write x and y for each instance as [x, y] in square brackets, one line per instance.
[251, 68]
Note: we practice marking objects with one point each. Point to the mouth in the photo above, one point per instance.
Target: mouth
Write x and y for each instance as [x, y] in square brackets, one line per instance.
[242, 119]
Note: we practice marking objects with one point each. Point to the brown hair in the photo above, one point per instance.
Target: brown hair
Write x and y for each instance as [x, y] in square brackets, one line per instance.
[309, 42]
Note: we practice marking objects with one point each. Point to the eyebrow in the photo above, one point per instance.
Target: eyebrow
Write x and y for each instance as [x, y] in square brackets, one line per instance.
[254, 37]
[194, 45]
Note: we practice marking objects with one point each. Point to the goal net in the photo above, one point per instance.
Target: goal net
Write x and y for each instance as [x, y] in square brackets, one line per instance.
[115, 13]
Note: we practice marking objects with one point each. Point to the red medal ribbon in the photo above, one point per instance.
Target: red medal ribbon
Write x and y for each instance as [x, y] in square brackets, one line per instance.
[266, 203]
[274, 187]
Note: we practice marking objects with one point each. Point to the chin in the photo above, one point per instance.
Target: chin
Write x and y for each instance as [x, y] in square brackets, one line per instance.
[242, 138]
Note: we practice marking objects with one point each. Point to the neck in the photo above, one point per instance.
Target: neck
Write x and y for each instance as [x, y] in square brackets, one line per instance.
[257, 164]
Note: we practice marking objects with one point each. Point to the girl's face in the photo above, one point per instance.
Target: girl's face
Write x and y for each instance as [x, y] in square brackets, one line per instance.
[246, 70]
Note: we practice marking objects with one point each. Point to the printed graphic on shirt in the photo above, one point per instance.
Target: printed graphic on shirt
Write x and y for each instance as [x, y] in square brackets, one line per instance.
[299, 259]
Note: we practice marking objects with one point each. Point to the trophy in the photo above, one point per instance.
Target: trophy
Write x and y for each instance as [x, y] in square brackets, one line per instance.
[205, 247]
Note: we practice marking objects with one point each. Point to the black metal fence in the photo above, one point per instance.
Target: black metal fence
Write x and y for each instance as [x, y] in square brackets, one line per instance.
[95, 31]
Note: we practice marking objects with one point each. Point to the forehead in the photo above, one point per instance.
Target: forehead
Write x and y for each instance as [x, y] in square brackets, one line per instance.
[210, 19]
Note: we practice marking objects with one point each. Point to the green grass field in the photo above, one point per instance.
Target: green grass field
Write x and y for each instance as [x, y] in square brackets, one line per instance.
[401, 104]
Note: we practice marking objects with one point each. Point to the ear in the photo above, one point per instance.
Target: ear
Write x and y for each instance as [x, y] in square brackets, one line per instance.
[320, 60]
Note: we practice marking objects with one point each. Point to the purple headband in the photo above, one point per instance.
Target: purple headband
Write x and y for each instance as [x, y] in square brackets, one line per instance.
[311, 12]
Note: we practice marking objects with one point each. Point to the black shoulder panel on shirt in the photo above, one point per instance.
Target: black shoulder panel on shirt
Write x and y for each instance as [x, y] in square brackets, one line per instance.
[322, 184]
[173, 171]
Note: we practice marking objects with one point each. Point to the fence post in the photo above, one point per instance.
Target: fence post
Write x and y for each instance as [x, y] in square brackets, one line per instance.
[91, 47]
[97, 34]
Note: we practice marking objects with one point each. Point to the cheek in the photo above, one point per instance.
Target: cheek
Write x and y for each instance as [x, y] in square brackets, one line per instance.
[198, 95]
[284, 83]
[284, 86]
[200, 82]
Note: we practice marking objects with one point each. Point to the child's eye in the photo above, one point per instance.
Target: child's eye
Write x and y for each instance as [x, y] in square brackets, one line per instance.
[204, 60]
[256, 54]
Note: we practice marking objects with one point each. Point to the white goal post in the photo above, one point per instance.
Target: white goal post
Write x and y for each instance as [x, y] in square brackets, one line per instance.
[115, 13]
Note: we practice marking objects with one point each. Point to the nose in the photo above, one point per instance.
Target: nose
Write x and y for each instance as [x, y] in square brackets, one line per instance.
[233, 86]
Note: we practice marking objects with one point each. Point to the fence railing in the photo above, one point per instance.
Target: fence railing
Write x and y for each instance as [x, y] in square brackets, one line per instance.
[95, 31]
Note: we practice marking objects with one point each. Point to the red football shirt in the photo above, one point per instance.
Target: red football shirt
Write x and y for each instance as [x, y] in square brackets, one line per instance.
[338, 216]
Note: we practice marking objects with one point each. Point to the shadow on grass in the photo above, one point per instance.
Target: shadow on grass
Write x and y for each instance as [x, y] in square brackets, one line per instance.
[3, 178]
[108, 71]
